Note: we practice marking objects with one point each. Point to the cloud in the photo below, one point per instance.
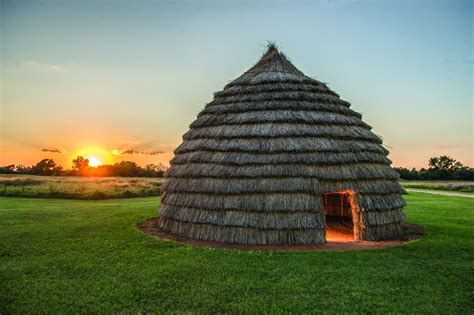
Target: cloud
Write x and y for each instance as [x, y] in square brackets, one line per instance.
[132, 151]
[142, 147]
[52, 150]
[135, 152]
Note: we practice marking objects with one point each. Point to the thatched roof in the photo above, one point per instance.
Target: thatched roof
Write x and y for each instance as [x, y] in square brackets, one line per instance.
[254, 165]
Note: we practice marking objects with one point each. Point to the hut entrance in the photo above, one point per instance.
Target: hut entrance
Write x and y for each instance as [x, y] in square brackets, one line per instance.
[339, 209]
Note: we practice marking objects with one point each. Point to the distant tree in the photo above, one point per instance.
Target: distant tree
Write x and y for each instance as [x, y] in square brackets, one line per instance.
[80, 163]
[22, 169]
[7, 169]
[80, 167]
[127, 169]
[440, 168]
[414, 174]
[403, 172]
[444, 162]
[465, 173]
[46, 167]
[407, 174]
[154, 170]
[444, 167]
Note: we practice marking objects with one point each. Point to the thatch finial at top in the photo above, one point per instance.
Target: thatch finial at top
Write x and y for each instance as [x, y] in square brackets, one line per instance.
[273, 60]
[272, 46]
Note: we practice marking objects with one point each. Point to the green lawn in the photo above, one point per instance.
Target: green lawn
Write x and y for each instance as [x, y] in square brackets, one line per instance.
[71, 256]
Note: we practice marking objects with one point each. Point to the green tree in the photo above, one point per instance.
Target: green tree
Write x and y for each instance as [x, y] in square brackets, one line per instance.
[445, 167]
[154, 170]
[46, 167]
[127, 169]
[445, 163]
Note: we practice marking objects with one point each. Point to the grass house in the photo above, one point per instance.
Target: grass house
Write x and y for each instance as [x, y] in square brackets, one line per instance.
[278, 158]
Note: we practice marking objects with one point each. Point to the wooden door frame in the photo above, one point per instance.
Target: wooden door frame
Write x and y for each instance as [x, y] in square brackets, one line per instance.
[356, 214]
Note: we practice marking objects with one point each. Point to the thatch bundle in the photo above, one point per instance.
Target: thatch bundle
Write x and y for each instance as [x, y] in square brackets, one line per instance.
[255, 164]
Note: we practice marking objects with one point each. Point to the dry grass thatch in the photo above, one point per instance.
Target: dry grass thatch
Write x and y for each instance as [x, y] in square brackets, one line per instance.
[256, 162]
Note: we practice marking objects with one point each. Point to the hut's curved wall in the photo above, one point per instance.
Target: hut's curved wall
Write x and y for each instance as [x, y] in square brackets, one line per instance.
[254, 165]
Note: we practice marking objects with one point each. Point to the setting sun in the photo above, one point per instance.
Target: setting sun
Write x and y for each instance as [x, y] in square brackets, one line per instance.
[96, 155]
[93, 161]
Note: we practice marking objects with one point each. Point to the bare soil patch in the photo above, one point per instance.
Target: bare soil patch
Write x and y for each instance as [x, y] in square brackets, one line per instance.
[335, 241]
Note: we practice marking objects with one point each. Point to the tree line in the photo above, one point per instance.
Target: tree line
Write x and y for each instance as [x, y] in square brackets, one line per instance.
[81, 167]
[439, 168]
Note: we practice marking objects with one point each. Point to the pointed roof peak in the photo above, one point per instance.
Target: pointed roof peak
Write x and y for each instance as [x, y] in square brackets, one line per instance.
[273, 65]
[272, 46]
[273, 60]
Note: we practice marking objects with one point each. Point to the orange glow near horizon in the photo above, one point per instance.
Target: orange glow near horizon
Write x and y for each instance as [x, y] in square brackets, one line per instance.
[96, 156]
[107, 154]
[93, 161]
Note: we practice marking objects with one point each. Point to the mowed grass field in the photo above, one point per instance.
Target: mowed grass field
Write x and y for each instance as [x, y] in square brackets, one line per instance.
[73, 256]
[70, 187]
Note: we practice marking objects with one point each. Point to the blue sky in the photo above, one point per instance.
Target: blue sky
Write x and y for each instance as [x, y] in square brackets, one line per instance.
[92, 77]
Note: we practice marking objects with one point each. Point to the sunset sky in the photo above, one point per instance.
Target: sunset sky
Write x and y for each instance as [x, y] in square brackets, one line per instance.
[122, 80]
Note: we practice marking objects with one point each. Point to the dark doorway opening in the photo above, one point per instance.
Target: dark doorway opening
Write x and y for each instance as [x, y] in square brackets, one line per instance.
[338, 208]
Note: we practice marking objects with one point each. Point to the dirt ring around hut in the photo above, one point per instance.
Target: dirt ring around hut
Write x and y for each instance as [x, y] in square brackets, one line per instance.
[334, 242]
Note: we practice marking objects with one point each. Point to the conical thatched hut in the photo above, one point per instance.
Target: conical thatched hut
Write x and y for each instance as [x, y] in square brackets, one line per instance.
[278, 158]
